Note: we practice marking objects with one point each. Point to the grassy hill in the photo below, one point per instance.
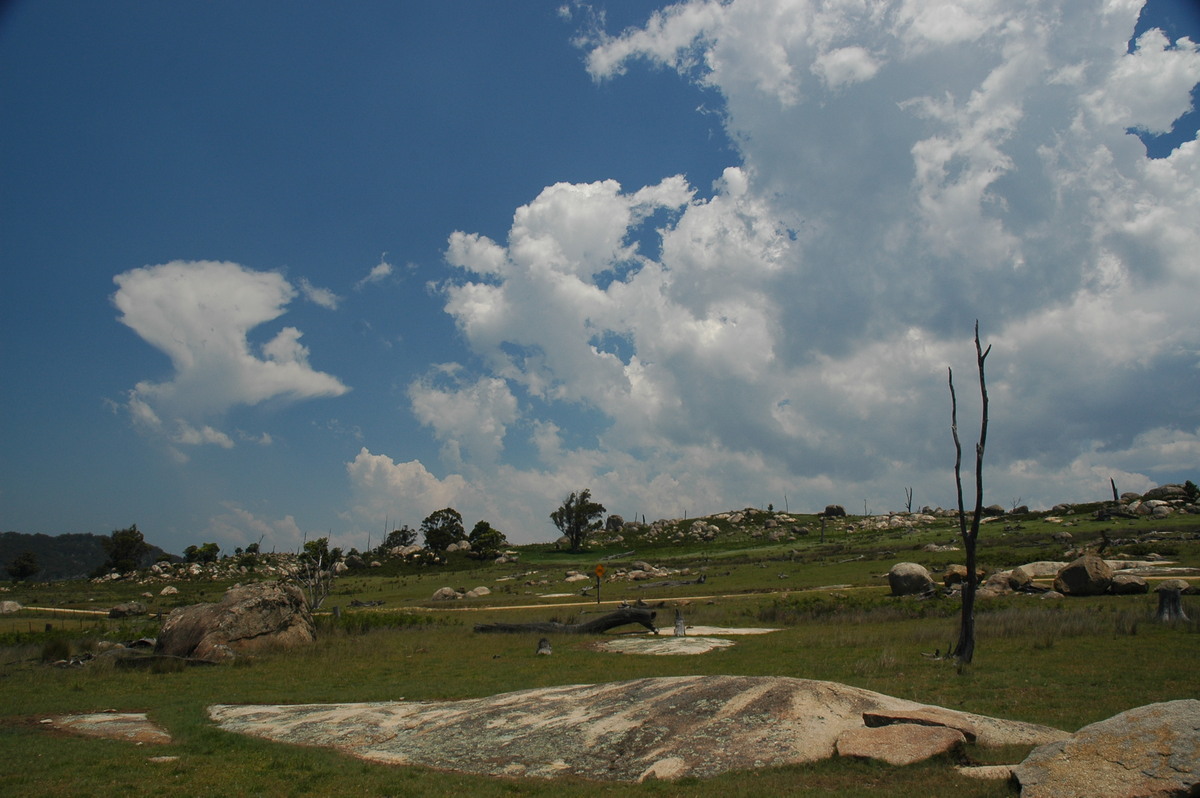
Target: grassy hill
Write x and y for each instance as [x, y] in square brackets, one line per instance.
[1064, 662]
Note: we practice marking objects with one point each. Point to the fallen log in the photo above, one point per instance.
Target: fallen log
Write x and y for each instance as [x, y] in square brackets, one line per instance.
[593, 627]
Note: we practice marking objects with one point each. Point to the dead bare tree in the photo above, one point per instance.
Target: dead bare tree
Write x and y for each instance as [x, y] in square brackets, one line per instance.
[964, 651]
[314, 571]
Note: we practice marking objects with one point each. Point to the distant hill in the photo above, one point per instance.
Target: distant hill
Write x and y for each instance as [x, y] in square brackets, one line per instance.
[70, 556]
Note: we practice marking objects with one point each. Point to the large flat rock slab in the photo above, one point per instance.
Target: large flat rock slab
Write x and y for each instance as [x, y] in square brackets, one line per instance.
[134, 727]
[663, 645]
[669, 727]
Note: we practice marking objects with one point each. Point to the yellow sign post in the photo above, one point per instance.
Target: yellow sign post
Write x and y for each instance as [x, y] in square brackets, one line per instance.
[599, 575]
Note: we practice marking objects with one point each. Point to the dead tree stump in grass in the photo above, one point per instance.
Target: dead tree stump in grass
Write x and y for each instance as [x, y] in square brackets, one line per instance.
[1170, 604]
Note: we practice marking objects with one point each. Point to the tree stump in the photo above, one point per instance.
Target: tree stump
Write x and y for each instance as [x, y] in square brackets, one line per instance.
[1170, 605]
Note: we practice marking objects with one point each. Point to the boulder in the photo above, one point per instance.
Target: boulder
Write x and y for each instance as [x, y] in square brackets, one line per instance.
[996, 584]
[247, 617]
[445, 594]
[614, 523]
[477, 592]
[9, 607]
[909, 579]
[1087, 576]
[1152, 750]
[957, 574]
[1163, 492]
[1042, 568]
[1128, 584]
[1019, 578]
[169, 590]
[127, 609]
[901, 744]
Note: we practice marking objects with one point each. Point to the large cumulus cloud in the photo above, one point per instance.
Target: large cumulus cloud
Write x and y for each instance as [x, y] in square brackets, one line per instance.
[906, 168]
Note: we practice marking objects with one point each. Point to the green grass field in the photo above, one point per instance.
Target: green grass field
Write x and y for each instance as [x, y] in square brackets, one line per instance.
[1064, 662]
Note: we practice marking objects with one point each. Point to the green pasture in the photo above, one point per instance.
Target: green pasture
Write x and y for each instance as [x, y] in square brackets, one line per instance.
[1065, 662]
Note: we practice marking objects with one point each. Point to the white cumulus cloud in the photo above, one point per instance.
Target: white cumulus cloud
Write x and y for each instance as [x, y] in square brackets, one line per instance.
[905, 168]
[200, 314]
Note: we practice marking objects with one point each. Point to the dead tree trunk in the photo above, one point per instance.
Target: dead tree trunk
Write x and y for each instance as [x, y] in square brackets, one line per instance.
[593, 627]
[1170, 605]
[964, 651]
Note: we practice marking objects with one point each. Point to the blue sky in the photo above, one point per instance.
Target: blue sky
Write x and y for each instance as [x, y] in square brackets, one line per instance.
[282, 270]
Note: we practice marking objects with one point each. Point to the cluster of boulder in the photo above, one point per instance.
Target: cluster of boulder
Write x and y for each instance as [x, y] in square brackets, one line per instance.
[747, 523]
[1088, 575]
[270, 566]
[452, 594]
[770, 525]
[895, 521]
[640, 571]
[1160, 502]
